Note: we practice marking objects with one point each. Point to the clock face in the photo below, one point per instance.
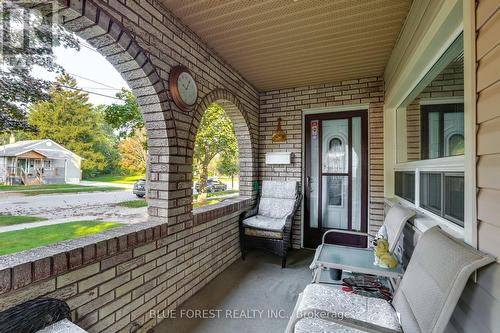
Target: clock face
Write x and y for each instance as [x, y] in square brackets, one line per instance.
[188, 91]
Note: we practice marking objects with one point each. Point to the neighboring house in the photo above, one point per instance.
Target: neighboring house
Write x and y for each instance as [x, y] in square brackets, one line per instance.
[35, 162]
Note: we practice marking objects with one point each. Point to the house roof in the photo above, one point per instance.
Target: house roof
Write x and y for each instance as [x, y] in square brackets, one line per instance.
[46, 147]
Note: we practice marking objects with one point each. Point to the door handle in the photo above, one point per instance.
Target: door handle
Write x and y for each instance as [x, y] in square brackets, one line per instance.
[308, 183]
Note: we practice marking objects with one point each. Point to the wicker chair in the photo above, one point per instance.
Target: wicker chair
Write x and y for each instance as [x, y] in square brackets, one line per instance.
[268, 225]
[38, 315]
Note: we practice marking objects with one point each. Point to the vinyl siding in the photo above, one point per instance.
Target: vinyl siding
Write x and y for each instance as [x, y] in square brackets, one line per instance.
[479, 305]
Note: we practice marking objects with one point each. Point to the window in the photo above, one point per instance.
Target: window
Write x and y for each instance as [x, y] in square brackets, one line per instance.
[442, 130]
[443, 194]
[430, 121]
[405, 185]
[430, 143]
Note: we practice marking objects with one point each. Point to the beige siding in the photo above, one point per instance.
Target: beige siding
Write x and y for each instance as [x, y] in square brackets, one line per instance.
[488, 136]
[479, 306]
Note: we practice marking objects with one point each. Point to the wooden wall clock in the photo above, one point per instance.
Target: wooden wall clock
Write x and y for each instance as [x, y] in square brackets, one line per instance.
[183, 88]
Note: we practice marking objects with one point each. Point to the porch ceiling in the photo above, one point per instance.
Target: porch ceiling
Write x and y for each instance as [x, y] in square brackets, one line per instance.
[288, 43]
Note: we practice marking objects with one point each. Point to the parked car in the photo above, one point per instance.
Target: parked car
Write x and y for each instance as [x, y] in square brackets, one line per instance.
[213, 185]
[140, 188]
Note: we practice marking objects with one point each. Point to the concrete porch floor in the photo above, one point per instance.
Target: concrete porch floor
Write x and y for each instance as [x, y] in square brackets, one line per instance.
[256, 288]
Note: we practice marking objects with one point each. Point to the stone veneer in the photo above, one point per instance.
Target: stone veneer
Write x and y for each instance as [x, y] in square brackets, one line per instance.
[289, 105]
[112, 280]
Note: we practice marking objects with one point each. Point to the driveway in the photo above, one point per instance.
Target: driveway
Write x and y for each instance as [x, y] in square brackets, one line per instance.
[92, 205]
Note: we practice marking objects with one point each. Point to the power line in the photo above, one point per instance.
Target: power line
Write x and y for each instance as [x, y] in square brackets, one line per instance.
[94, 81]
[88, 92]
[99, 88]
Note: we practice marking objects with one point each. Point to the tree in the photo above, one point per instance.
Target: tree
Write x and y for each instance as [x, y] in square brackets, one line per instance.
[133, 152]
[229, 165]
[70, 120]
[215, 136]
[124, 118]
[20, 53]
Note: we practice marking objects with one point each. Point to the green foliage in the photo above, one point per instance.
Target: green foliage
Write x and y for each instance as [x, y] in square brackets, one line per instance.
[133, 152]
[215, 137]
[18, 87]
[126, 117]
[70, 120]
[229, 164]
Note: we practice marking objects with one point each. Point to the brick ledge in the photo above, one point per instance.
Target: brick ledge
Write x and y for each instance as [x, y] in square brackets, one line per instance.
[23, 268]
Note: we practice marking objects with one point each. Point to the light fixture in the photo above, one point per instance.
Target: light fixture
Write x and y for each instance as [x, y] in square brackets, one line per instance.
[279, 136]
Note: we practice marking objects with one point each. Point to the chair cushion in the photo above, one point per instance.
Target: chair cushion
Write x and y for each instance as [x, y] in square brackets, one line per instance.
[279, 189]
[264, 223]
[322, 297]
[263, 233]
[276, 208]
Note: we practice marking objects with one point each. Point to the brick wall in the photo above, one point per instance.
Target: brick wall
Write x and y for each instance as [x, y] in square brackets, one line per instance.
[289, 105]
[144, 41]
[112, 283]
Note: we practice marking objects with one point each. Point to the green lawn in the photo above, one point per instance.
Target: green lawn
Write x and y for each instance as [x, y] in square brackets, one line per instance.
[55, 188]
[117, 179]
[134, 203]
[208, 202]
[20, 240]
[217, 194]
[6, 220]
[37, 187]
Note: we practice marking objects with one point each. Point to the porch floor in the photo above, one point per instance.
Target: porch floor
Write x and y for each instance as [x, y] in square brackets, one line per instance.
[258, 283]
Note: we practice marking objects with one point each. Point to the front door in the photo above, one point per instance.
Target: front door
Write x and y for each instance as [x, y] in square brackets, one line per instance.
[336, 177]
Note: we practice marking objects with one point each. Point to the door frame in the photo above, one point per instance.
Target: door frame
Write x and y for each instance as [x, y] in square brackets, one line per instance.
[333, 109]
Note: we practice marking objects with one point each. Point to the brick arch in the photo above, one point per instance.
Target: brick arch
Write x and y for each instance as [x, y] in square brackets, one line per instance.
[236, 112]
[119, 46]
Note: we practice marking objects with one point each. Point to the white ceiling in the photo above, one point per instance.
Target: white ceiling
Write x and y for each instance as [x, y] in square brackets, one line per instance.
[285, 43]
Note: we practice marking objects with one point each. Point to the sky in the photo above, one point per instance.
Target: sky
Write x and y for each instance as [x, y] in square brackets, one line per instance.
[86, 66]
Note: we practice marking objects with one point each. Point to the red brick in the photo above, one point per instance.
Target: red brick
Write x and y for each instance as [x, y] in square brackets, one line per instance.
[41, 269]
[60, 263]
[89, 253]
[75, 258]
[21, 275]
[5, 280]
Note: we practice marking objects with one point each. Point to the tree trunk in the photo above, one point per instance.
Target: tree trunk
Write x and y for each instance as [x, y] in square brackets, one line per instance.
[232, 181]
[202, 193]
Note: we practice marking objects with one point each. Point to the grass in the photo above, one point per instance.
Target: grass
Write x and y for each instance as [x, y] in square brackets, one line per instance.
[117, 179]
[133, 203]
[208, 202]
[217, 194]
[20, 240]
[37, 187]
[6, 220]
[55, 188]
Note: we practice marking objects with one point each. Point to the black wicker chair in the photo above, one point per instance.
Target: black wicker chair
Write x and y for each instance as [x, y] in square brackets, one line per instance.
[34, 315]
[275, 239]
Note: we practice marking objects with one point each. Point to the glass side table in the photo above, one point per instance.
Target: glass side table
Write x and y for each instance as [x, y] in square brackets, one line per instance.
[352, 259]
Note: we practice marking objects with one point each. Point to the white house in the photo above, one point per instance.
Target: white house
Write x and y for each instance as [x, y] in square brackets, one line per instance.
[34, 162]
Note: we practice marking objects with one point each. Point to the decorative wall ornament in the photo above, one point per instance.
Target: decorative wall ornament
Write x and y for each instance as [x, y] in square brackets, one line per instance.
[279, 136]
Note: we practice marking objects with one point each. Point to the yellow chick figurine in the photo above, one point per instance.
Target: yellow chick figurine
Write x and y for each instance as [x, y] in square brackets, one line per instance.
[383, 257]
